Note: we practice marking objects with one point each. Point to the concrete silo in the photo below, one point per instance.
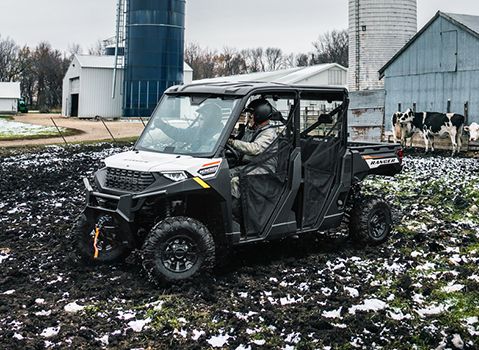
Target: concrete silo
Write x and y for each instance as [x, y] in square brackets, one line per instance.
[377, 30]
[153, 54]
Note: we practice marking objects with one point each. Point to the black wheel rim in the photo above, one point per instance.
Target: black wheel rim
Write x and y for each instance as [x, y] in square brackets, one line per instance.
[179, 254]
[378, 225]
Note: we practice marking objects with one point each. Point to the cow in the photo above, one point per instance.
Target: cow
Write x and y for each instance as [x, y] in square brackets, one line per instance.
[473, 130]
[396, 127]
[432, 124]
[403, 127]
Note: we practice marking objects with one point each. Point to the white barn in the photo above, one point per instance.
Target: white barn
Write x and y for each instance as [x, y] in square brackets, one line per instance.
[317, 75]
[87, 87]
[9, 96]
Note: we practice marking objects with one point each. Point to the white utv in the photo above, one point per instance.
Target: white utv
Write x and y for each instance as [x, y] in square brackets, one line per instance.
[171, 195]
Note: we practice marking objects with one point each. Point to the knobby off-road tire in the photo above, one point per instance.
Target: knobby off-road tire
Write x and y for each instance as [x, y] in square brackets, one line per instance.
[83, 236]
[370, 221]
[178, 249]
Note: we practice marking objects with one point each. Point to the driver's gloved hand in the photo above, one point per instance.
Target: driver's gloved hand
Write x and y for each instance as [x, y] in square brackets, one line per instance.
[231, 141]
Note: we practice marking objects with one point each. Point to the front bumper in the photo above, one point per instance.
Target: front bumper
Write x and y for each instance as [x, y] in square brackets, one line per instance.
[126, 205]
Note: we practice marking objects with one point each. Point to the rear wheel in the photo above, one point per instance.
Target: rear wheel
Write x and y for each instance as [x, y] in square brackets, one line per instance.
[99, 243]
[178, 249]
[370, 221]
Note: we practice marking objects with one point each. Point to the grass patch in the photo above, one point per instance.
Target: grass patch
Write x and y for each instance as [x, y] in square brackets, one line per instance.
[6, 117]
[39, 135]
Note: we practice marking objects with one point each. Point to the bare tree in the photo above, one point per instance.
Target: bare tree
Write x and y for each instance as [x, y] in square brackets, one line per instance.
[302, 60]
[274, 58]
[331, 47]
[50, 68]
[8, 59]
[200, 60]
[289, 61]
[230, 62]
[96, 49]
[74, 49]
[254, 59]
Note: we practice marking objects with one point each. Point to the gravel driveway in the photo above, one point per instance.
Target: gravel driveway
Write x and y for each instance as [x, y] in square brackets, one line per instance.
[91, 130]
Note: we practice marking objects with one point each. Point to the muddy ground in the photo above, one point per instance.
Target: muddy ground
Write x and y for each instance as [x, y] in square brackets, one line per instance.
[419, 290]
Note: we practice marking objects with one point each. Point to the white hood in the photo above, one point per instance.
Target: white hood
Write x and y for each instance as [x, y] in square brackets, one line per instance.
[158, 162]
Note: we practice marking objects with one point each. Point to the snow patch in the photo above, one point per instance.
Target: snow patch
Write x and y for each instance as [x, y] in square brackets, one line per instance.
[73, 307]
[368, 305]
[218, 341]
[138, 325]
[353, 292]
[50, 332]
[43, 313]
[457, 341]
[333, 313]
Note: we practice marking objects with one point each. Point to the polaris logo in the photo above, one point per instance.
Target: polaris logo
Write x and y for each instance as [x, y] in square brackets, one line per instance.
[376, 163]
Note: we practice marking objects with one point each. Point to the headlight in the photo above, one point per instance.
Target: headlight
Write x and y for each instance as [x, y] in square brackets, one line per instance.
[175, 176]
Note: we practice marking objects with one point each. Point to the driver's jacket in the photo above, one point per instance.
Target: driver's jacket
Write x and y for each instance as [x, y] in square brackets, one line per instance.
[255, 143]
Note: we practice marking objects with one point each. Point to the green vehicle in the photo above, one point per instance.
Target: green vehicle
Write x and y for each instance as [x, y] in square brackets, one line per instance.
[22, 106]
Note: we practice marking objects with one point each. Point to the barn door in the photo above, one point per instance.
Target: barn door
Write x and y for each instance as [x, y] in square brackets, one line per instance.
[449, 51]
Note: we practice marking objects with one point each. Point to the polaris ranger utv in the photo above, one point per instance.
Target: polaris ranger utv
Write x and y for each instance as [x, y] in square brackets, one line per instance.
[171, 195]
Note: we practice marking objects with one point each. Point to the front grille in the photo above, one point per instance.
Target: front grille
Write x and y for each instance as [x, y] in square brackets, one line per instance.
[128, 180]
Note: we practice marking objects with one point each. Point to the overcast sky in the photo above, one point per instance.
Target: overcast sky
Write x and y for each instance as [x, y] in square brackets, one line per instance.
[290, 25]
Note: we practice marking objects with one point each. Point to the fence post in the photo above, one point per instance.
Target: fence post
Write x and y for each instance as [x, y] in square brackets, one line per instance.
[466, 111]
[106, 127]
[59, 131]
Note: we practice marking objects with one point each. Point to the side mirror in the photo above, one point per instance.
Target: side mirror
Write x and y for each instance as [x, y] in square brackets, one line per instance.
[325, 119]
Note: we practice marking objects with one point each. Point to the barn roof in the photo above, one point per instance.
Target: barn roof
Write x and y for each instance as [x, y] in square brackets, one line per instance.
[284, 76]
[10, 90]
[469, 23]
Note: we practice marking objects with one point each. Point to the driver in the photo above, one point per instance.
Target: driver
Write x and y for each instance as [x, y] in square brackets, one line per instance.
[255, 141]
[203, 129]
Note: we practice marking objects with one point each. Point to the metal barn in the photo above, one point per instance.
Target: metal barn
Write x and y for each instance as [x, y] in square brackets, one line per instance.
[9, 96]
[87, 87]
[438, 70]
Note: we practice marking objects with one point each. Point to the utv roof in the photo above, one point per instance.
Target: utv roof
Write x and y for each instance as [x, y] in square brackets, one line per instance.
[245, 88]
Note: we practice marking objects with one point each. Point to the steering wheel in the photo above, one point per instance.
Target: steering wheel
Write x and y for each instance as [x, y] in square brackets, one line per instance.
[234, 153]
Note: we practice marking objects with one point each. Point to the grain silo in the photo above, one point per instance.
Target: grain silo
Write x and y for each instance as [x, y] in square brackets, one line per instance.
[377, 30]
[153, 54]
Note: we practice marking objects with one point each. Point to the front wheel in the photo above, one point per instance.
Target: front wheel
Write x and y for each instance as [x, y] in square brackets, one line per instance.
[370, 221]
[99, 243]
[177, 249]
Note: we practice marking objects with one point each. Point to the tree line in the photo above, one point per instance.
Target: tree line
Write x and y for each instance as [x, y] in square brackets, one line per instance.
[40, 70]
[331, 47]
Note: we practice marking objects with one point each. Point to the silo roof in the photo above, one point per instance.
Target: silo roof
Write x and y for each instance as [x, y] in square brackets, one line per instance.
[10, 90]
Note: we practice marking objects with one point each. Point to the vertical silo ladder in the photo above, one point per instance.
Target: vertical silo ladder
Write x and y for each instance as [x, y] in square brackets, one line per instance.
[120, 39]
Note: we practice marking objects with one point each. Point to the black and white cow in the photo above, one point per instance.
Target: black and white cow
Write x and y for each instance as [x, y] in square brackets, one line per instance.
[403, 127]
[432, 124]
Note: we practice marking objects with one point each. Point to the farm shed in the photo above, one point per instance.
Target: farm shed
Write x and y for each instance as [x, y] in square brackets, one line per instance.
[438, 70]
[87, 87]
[321, 74]
[9, 96]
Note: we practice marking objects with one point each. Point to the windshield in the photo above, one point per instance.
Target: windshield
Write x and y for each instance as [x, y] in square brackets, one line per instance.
[187, 125]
